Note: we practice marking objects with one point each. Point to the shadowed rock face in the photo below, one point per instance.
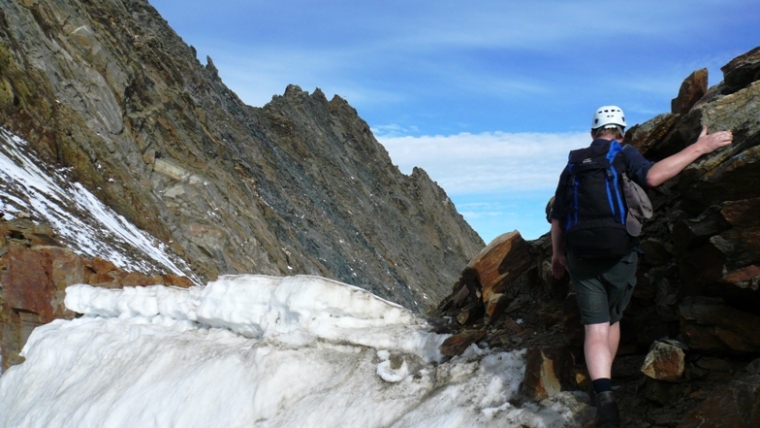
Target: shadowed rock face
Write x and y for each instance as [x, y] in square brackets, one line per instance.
[299, 186]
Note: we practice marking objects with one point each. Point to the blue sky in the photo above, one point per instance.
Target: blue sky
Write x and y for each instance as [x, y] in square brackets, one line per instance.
[486, 96]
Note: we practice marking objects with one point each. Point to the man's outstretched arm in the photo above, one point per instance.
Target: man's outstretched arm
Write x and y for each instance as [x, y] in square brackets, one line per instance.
[669, 167]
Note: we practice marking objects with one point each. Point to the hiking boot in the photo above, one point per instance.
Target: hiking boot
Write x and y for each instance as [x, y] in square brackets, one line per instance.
[591, 396]
[607, 414]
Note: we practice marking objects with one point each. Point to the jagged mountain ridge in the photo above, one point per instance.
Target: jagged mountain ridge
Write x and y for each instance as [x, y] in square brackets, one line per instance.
[299, 186]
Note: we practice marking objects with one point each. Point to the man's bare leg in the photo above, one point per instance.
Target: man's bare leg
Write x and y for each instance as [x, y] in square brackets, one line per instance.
[614, 339]
[600, 346]
[597, 347]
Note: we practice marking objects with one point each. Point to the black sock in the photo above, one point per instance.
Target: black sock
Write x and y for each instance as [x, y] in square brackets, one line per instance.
[602, 385]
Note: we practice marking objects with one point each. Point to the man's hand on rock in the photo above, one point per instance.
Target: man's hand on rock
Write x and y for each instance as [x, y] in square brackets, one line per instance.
[712, 142]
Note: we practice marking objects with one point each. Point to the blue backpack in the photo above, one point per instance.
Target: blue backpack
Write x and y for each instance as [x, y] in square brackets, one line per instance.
[596, 211]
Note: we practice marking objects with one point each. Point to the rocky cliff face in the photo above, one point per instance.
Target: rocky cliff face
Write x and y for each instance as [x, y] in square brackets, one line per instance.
[689, 351]
[109, 91]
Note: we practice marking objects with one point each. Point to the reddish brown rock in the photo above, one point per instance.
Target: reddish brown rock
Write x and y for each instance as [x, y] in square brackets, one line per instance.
[103, 266]
[34, 279]
[110, 279]
[692, 90]
[27, 282]
[664, 362]
[746, 278]
[134, 279]
[68, 268]
[458, 343]
[745, 213]
[511, 326]
[33, 283]
[501, 261]
[466, 292]
[546, 372]
[177, 281]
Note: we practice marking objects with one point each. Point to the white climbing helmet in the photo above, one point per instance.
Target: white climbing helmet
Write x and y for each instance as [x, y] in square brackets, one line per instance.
[608, 115]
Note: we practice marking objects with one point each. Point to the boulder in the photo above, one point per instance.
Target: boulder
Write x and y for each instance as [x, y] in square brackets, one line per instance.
[501, 261]
[665, 361]
[458, 343]
[692, 90]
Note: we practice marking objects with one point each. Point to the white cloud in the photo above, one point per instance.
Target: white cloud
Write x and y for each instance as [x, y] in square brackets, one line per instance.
[487, 162]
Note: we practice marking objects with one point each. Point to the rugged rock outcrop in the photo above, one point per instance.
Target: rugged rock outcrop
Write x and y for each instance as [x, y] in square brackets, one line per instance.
[691, 328]
[109, 91]
[35, 271]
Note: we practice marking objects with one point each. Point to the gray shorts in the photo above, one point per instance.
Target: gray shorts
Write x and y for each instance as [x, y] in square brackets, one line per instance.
[603, 287]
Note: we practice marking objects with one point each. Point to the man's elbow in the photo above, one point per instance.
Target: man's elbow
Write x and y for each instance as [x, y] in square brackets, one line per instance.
[654, 178]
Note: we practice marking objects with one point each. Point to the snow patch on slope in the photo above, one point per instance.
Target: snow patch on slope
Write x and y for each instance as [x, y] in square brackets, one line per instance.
[80, 221]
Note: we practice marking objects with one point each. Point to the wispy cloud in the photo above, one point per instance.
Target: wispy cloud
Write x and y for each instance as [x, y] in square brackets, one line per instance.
[486, 162]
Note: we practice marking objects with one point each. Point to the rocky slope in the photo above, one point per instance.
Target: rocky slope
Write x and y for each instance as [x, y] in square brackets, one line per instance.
[107, 90]
[690, 349]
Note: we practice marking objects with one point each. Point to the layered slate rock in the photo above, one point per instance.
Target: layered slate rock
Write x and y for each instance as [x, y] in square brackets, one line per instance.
[712, 325]
[109, 91]
[735, 405]
[741, 71]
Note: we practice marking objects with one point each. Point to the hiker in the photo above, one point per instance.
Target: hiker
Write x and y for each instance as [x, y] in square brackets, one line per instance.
[596, 248]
